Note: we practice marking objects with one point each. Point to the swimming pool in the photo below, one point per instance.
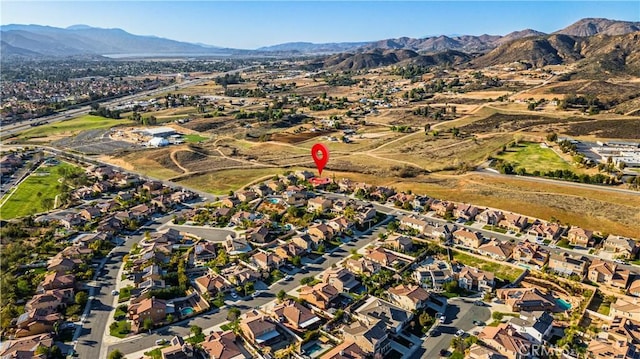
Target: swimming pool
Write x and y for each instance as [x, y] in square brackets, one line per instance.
[186, 311]
[563, 304]
[312, 349]
[273, 200]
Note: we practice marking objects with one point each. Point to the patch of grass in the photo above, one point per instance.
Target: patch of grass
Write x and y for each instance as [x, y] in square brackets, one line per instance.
[73, 126]
[120, 329]
[155, 353]
[194, 138]
[225, 327]
[533, 157]
[604, 308]
[564, 243]
[29, 196]
[495, 229]
[501, 271]
[125, 294]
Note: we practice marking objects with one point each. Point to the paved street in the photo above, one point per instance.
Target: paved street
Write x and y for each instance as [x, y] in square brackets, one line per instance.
[460, 315]
[216, 317]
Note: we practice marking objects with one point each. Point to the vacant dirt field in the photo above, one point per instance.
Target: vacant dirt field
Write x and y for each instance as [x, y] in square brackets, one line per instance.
[624, 129]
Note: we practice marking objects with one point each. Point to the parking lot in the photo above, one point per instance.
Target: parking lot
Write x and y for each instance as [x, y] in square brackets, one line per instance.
[94, 142]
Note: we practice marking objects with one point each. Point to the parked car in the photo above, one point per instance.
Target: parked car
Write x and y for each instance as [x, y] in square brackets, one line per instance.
[459, 333]
[161, 341]
[442, 319]
[114, 292]
[234, 295]
[479, 303]
[478, 323]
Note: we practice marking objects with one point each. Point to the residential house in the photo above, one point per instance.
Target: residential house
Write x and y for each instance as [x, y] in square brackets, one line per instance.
[526, 299]
[267, 260]
[262, 190]
[246, 196]
[365, 214]
[110, 226]
[411, 222]
[177, 349]
[546, 230]
[580, 237]
[141, 212]
[258, 328]
[490, 217]
[345, 350]
[375, 309]
[620, 340]
[340, 224]
[566, 264]
[625, 307]
[608, 273]
[471, 278]
[204, 252]
[72, 220]
[321, 231]
[319, 204]
[434, 275]
[212, 283]
[230, 202]
[243, 275]
[289, 250]
[442, 208]
[634, 288]
[304, 175]
[370, 336]
[149, 308]
[480, 351]
[242, 216]
[381, 256]
[50, 300]
[90, 213]
[305, 242]
[58, 280]
[399, 242]
[535, 326]
[465, 211]
[62, 264]
[527, 252]
[506, 340]
[467, 238]
[622, 247]
[362, 266]
[36, 321]
[295, 315]
[320, 295]
[496, 249]
[235, 246]
[152, 186]
[257, 235]
[222, 345]
[26, 347]
[409, 297]
[341, 279]
[514, 222]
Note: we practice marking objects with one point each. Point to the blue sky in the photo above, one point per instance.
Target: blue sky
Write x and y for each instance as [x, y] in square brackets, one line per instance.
[243, 24]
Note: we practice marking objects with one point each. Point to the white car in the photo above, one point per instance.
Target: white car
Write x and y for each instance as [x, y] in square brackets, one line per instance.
[234, 296]
[442, 319]
[459, 333]
[552, 246]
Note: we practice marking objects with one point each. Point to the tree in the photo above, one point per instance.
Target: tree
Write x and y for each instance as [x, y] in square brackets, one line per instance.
[170, 318]
[195, 330]
[281, 295]
[81, 298]
[116, 354]
[147, 324]
[296, 261]
[425, 319]
[234, 314]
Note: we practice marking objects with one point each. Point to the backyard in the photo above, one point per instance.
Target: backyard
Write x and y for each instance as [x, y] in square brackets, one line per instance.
[501, 271]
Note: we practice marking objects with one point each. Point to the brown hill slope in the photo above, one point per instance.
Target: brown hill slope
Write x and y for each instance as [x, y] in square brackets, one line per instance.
[594, 26]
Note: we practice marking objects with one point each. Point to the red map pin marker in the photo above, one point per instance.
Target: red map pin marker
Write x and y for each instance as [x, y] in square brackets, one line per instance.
[320, 155]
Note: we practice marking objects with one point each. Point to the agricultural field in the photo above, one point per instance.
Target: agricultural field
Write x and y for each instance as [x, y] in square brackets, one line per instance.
[73, 126]
[36, 191]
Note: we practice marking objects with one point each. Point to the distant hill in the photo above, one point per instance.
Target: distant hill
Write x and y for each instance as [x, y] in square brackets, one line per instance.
[379, 57]
[594, 26]
[308, 47]
[35, 40]
[599, 53]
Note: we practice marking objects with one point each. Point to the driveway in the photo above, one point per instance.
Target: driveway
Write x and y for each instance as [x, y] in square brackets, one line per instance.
[460, 315]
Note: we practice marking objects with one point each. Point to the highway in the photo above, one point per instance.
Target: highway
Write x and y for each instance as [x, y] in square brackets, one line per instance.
[11, 129]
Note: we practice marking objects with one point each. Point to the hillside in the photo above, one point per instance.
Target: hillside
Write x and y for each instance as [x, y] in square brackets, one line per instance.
[597, 53]
[34, 40]
[593, 26]
[378, 58]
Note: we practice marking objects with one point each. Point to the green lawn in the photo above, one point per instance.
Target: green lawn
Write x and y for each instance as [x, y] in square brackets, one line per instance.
[29, 196]
[193, 138]
[82, 123]
[501, 271]
[120, 329]
[531, 156]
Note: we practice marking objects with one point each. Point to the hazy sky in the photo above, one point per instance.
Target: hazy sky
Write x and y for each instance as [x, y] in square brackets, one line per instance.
[243, 24]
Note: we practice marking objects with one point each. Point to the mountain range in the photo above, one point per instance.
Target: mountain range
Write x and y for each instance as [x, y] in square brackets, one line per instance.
[573, 43]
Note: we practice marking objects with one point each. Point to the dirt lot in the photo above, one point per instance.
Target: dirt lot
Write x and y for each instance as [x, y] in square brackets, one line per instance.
[623, 129]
